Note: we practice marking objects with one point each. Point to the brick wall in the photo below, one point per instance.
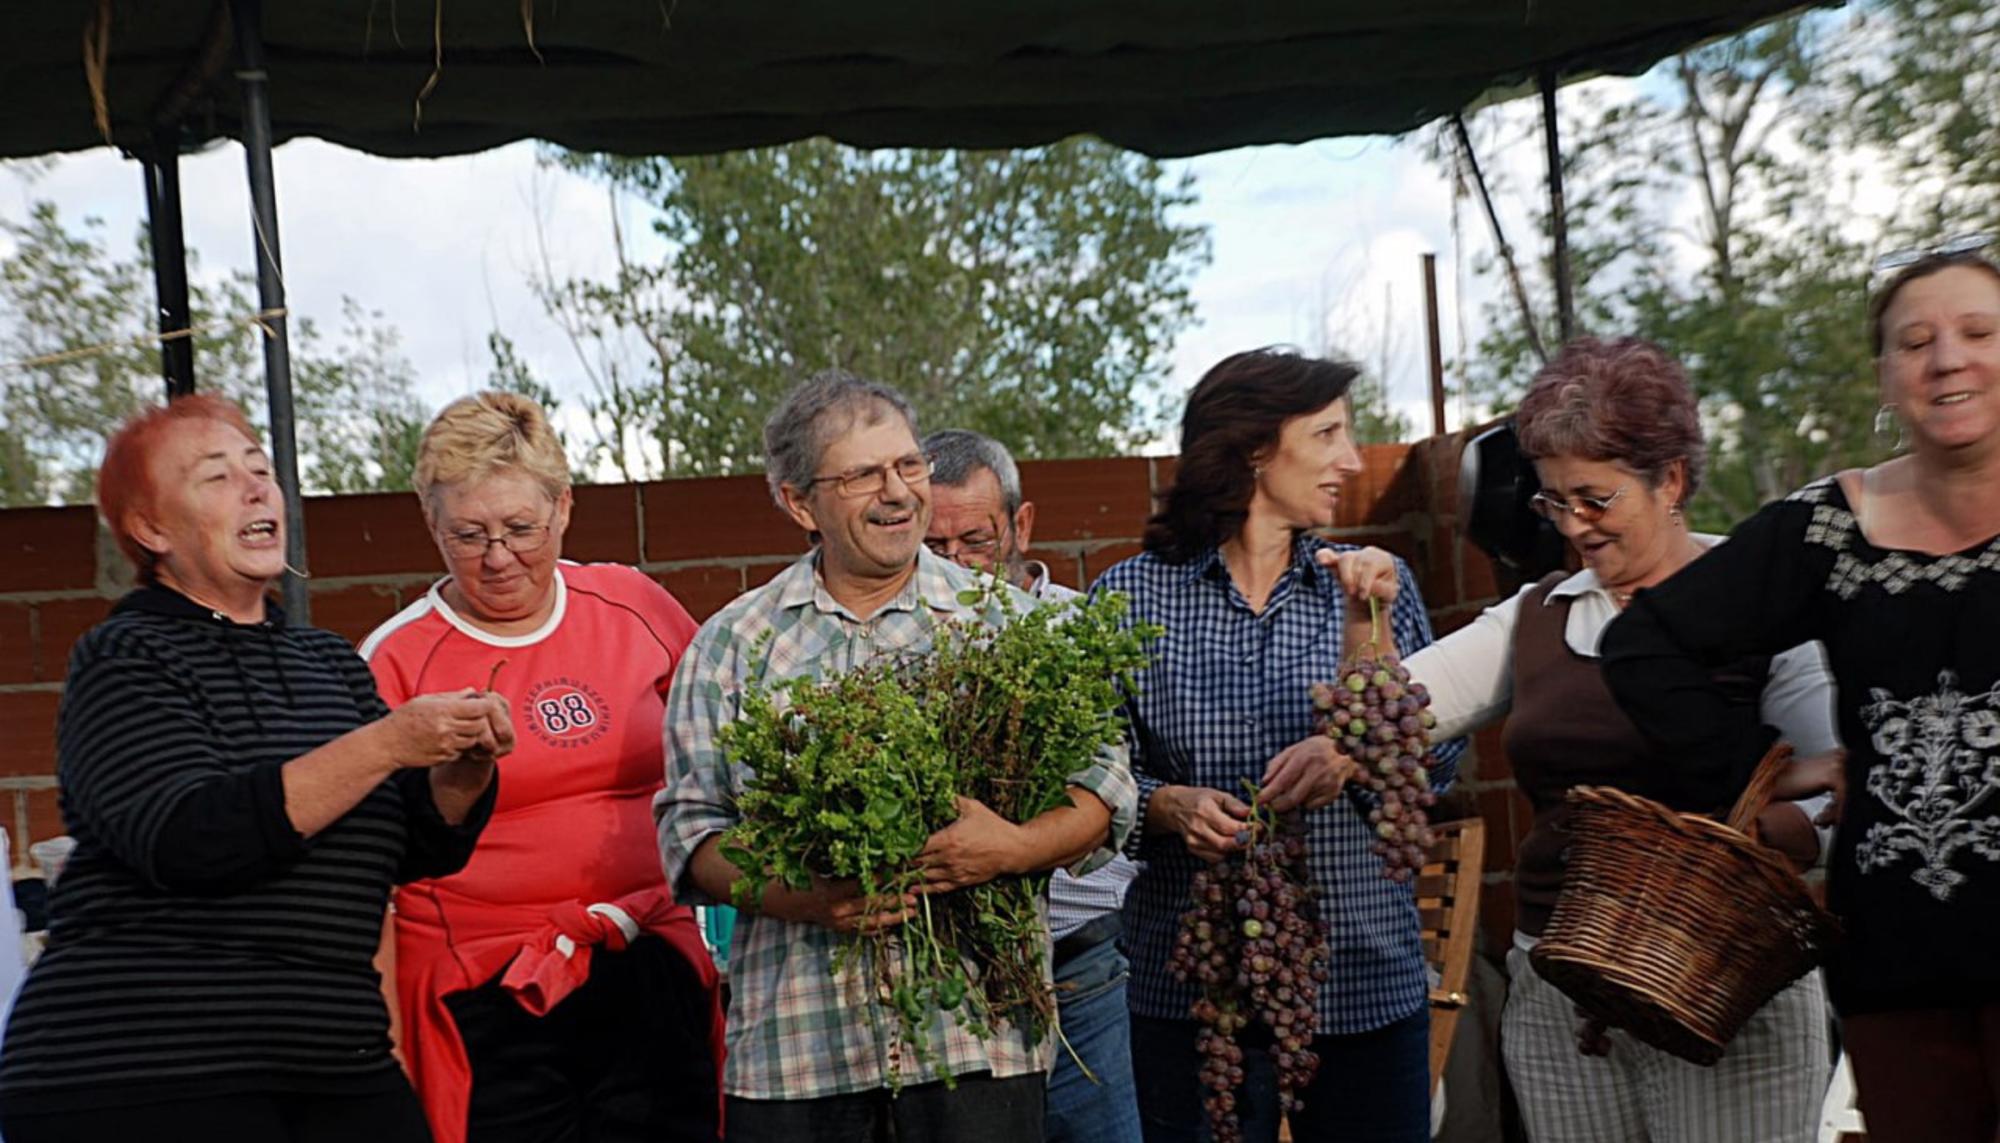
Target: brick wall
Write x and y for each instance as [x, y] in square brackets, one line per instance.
[706, 540]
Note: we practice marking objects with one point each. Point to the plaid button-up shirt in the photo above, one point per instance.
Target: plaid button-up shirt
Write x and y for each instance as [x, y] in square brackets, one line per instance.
[1226, 691]
[797, 1028]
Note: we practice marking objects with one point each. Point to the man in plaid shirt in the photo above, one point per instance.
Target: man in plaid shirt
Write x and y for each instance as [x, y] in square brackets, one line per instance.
[806, 1059]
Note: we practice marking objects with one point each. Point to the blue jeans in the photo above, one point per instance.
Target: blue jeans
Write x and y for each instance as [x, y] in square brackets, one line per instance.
[1090, 993]
[1371, 1087]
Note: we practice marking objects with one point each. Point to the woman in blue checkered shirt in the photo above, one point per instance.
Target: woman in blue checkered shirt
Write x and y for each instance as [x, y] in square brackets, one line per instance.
[1252, 620]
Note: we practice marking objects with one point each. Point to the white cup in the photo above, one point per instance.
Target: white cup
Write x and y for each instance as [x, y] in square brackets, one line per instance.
[50, 854]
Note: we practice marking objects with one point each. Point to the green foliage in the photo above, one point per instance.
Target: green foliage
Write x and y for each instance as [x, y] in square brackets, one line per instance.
[852, 775]
[1920, 85]
[63, 290]
[1376, 421]
[1762, 298]
[1032, 295]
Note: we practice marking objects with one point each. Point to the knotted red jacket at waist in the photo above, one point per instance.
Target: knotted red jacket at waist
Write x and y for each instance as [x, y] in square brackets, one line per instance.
[546, 950]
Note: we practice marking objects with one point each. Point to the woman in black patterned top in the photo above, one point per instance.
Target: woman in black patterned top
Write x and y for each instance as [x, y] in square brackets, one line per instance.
[1895, 568]
[242, 801]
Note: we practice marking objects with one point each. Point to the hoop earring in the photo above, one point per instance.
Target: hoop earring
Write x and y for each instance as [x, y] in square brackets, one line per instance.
[1884, 417]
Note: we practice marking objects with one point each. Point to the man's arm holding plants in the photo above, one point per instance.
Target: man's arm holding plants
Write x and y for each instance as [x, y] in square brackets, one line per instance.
[981, 845]
[828, 904]
[698, 803]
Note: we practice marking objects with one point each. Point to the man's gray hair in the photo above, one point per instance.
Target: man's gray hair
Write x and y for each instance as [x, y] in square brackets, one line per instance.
[959, 453]
[800, 428]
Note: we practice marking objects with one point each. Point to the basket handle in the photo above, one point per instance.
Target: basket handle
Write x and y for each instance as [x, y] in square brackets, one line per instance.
[1757, 795]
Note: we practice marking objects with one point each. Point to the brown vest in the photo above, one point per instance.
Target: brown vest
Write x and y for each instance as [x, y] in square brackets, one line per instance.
[1566, 730]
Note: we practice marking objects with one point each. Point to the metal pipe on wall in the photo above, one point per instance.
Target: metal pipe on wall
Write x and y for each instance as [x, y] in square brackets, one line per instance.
[1434, 339]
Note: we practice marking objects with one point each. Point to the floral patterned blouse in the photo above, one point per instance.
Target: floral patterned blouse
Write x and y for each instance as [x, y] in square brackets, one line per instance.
[1914, 645]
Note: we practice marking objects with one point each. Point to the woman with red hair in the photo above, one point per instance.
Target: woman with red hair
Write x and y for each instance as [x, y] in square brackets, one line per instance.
[242, 803]
[1615, 437]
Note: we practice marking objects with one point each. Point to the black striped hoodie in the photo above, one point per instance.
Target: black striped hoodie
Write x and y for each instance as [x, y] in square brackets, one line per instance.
[197, 944]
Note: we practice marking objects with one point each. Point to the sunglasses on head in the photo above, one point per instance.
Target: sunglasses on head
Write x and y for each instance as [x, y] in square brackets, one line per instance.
[1957, 246]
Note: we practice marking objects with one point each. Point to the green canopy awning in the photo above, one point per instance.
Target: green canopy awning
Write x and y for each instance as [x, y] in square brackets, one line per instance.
[1166, 77]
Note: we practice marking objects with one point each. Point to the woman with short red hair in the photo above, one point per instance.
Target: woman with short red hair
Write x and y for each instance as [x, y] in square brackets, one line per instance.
[242, 803]
[1615, 437]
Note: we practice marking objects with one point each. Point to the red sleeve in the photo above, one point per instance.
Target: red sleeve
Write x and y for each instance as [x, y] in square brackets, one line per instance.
[391, 679]
[672, 623]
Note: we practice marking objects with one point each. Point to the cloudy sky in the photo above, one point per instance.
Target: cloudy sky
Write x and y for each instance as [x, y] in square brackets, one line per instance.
[444, 248]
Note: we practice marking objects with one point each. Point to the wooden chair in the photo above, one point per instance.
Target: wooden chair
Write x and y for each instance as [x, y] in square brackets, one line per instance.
[1448, 908]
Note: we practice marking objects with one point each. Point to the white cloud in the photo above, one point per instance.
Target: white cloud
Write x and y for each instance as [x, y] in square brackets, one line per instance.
[444, 248]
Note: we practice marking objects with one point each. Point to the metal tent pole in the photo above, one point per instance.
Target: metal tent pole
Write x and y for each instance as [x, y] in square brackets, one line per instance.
[162, 171]
[1528, 326]
[248, 19]
[1433, 342]
[1558, 217]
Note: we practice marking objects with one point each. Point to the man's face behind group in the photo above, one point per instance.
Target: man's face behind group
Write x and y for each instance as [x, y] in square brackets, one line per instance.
[969, 524]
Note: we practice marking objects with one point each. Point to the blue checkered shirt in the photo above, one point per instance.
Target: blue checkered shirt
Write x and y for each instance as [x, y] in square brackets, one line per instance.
[1226, 691]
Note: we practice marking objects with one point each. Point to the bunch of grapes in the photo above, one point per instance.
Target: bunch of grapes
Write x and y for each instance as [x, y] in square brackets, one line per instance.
[1256, 944]
[1379, 718]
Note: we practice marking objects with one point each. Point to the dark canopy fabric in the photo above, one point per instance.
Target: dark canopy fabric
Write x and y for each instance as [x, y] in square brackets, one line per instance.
[1166, 77]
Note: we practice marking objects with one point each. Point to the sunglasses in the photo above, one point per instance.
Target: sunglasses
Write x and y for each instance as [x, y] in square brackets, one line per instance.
[1957, 246]
[1589, 509]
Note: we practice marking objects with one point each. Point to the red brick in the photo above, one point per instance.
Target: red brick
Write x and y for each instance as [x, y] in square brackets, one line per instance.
[1437, 577]
[1442, 455]
[757, 575]
[1065, 566]
[30, 721]
[1359, 496]
[1445, 620]
[353, 612]
[1477, 583]
[48, 549]
[1407, 490]
[703, 590]
[1164, 468]
[1496, 913]
[1492, 757]
[718, 516]
[1088, 499]
[379, 533]
[604, 524]
[63, 622]
[1097, 561]
[44, 817]
[17, 644]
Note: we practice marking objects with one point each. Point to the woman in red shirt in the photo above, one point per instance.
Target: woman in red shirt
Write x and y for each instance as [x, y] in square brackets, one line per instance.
[552, 990]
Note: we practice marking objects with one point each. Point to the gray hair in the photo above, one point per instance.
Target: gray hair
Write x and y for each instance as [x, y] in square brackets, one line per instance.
[798, 431]
[959, 453]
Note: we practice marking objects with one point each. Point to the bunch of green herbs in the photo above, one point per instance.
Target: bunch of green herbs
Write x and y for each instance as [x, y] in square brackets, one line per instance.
[851, 775]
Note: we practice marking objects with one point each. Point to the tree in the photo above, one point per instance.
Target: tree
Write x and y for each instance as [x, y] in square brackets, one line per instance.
[85, 318]
[1033, 295]
[1919, 87]
[1758, 288]
[1347, 329]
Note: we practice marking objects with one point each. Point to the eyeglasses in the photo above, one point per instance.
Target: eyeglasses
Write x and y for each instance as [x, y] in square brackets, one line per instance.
[520, 539]
[912, 469]
[1589, 509]
[1957, 246]
[975, 545]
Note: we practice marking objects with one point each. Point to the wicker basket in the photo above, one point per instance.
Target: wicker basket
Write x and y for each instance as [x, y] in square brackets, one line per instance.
[1673, 926]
